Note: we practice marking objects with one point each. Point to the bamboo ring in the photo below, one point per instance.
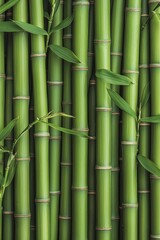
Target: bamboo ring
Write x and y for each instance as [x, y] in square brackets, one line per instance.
[129, 205]
[103, 167]
[118, 54]
[155, 236]
[42, 200]
[22, 215]
[8, 212]
[153, 1]
[85, 3]
[67, 36]
[154, 65]
[33, 227]
[115, 113]
[143, 191]
[144, 124]
[61, 2]
[23, 159]
[92, 82]
[2, 16]
[31, 108]
[42, 134]
[132, 9]
[55, 138]
[90, 53]
[143, 66]
[9, 138]
[64, 218]
[54, 83]
[115, 169]
[66, 103]
[38, 55]
[91, 192]
[54, 192]
[92, 138]
[81, 129]
[66, 164]
[9, 78]
[2, 75]
[21, 98]
[115, 218]
[128, 143]
[9, 14]
[102, 41]
[154, 177]
[144, 15]
[91, 2]
[79, 188]
[79, 68]
[130, 71]
[103, 109]
[103, 229]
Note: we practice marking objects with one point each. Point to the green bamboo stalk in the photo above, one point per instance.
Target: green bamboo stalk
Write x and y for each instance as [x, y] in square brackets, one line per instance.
[144, 137]
[91, 161]
[8, 228]
[21, 107]
[129, 138]
[55, 100]
[116, 61]
[103, 123]
[66, 158]
[41, 131]
[90, 41]
[80, 145]
[155, 109]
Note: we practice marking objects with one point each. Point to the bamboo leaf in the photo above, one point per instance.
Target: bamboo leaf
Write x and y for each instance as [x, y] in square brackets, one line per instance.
[46, 15]
[65, 23]
[149, 165]
[150, 16]
[145, 95]
[112, 78]
[64, 53]
[57, 3]
[30, 28]
[152, 119]
[7, 5]
[6, 131]
[11, 173]
[1, 180]
[9, 26]
[121, 103]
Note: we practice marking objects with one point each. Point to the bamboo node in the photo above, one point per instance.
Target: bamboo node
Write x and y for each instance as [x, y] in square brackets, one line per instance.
[154, 177]
[54, 83]
[144, 124]
[9, 14]
[153, 1]
[79, 68]
[2, 16]
[128, 143]
[66, 164]
[90, 54]
[133, 10]
[21, 98]
[92, 138]
[2, 75]
[129, 205]
[23, 159]
[143, 66]
[81, 129]
[143, 191]
[9, 138]
[42, 200]
[103, 229]
[55, 138]
[92, 82]
[115, 218]
[41, 134]
[79, 188]
[66, 103]
[79, 3]
[67, 36]
[91, 192]
[154, 65]
[103, 109]
[91, 2]
[64, 218]
[118, 54]
[8, 212]
[22, 215]
[130, 71]
[33, 55]
[54, 192]
[103, 167]
[96, 41]
[9, 78]
[115, 113]
[144, 15]
[155, 236]
[115, 169]
[33, 227]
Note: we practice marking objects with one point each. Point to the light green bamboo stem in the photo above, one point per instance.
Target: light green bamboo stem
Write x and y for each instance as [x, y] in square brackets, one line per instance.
[155, 110]
[103, 123]
[144, 137]
[129, 138]
[21, 109]
[91, 40]
[66, 159]
[80, 145]
[55, 100]
[116, 61]
[41, 131]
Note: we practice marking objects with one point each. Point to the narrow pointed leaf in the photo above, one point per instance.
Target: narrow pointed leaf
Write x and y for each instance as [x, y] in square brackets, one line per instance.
[11, 172]
[145, 95]
[152, 119]
[149, 165]
[9, 26]
[30, 28]
[65, 23]
[57, 3]
[46, 15]
[6, 131]
[7, 5]
[112, 78]
[1, 180]
[64, 53]
[121, 103]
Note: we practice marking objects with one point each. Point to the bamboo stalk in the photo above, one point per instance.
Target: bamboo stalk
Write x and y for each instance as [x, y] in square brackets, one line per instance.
[103, 123]
[144, 134]
[41, 130]
[116, 62]
[66, 159]
[80, 145]
[91, 40]
[129, 138]
[55, 100]
[155, 110]
[21, 107]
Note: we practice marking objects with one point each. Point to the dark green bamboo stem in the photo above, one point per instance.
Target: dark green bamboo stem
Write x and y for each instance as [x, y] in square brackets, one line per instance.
[41, 131]
[66, 159]
[103, 123]
[129, 138]
[155, 110]
[21, 109]
[55, 100]
[91, 161]
[144, 137]
[8, 228]
[116, 61]
[80, 145]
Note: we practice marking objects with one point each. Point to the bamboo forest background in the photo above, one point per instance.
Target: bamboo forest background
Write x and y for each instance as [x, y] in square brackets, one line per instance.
[79, 119]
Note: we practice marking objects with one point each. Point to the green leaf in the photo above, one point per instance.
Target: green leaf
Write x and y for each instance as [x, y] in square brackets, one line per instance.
[145, 95]
[9, 26]
[46, 15]
[1, 180]
[150, 16]
[65, 23]
[121, 103]
[112, 78]
[30, 28]
[64, 53]
[6, 131]
[11, 173]
[7, 5]
[57, 3]
[149, 165]
[152, 119]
